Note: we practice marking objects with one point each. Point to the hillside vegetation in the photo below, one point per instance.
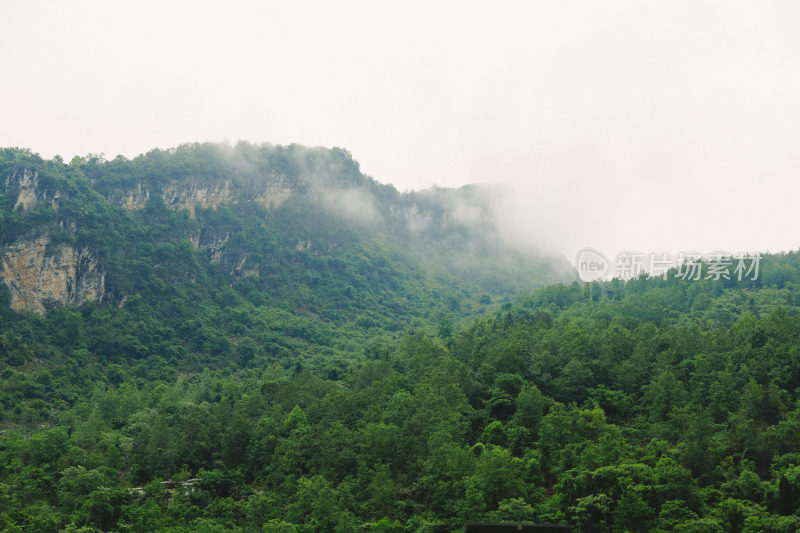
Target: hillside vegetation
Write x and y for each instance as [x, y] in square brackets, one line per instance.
[261, 338]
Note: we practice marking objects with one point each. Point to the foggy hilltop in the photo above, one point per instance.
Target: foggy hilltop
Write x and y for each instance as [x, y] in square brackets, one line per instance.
[71, 230]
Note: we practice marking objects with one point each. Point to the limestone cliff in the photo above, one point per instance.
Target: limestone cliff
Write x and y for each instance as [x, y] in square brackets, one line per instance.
[192, 194]
[41, 275]
[131, 199]
[234, 263]
[24, 187]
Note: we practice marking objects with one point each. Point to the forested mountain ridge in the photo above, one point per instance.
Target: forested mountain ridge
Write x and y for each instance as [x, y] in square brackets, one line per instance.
[294, 367]
[250, 209]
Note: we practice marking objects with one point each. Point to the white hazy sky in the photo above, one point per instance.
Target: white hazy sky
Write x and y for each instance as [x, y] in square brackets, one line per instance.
[623, 125]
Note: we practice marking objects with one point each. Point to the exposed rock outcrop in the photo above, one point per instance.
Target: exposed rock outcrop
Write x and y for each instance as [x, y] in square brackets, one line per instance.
[24, 185]
[235, 264]
[130, 199]
[41, 275]
[211, 242]
[192, 194]
[274, 194]
[189, 195]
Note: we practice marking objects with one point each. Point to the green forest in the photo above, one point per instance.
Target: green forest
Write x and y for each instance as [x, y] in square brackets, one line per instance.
[293, 366]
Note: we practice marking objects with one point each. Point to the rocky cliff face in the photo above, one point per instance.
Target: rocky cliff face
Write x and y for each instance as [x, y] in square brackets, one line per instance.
[192, 194]
[215, 244]
[189, 195]
[131, 199]
[23, 185]
[41, 276]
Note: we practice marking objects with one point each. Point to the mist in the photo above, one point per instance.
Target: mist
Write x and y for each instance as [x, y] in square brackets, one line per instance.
[622, 125]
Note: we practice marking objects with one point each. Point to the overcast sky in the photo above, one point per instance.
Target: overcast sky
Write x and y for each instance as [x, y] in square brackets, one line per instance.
[653, 126]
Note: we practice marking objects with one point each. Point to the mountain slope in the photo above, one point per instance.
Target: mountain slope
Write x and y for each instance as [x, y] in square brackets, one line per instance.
[652, 405]
[261, 338]
[292, 219]
[213, 256]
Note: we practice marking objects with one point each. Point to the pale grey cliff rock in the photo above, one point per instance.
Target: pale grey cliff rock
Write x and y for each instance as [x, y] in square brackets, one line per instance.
[192, 194]
[41, 276]
[24, 186]
[235, 264]
[212, 243]
[189, 195]
[130, 199]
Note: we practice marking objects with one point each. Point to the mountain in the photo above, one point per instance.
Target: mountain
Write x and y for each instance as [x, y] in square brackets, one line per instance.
[296, 237]
[289, 224]
[261, 338]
